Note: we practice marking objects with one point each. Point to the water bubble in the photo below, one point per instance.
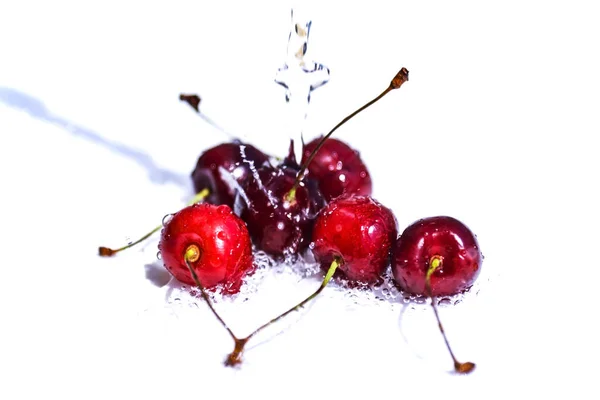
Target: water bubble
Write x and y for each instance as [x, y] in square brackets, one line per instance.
[444, 301]
[167, 219]
[158, 255]
[224, 210]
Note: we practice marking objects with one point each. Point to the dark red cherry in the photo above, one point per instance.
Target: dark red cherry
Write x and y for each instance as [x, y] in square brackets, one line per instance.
[360, 232]
[235, 158]
[443, 240]
[217, 244]
[438, 256]
[280, 216]
[338, 168]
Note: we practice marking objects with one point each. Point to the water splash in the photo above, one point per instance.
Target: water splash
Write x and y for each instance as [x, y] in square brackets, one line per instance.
[300, 77]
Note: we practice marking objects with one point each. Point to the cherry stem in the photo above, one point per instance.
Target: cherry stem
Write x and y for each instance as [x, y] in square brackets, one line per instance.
[192, 254]
[434, 263]
[108, 252]
[194, 101]
[332, 268]
[396, 83]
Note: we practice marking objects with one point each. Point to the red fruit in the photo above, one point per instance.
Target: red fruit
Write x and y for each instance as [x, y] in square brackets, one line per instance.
[235, 158]
[224, 252]
[280, 215]
[338, 169]
[359, 231]
[446, 240]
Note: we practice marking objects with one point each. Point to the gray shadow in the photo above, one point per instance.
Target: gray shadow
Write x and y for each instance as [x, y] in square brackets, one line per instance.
[37, 109]
[157, 274]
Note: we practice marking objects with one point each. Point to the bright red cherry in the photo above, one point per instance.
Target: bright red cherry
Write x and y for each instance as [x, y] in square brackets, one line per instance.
[338, 168]
[215, 242]
[217, 165]
[357, 231]
[279, 214]
[445, 239]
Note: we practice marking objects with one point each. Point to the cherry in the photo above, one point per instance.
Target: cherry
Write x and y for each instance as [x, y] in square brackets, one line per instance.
[338, 169]
[220, 167]
[437, 238]
[359, 233]
[213, 240]
[438, 256]
[280, 219]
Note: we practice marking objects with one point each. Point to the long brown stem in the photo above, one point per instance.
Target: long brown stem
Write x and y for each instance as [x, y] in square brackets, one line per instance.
[108, 252]
[332, 268]
[399, 79]
[434, 264]
[235, 357]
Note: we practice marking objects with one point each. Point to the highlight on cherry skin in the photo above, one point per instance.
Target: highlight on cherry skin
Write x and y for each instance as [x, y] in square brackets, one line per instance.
[437, 256]
[220, 243]
[338, 168]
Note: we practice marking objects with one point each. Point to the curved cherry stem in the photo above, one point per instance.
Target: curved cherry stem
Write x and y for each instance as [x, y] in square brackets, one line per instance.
[332, 268]
[396, 83]
[235, 357]
[108, 252]
[435, 263]
[192, 254]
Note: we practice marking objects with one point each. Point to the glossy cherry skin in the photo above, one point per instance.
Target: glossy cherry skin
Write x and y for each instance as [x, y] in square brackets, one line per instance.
[280, 227]
[338, 168]
[444, 237]
[223, 241]
[360, 231]
[236, 158]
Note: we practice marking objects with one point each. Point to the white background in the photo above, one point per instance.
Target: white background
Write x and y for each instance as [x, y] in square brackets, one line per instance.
[495, 127]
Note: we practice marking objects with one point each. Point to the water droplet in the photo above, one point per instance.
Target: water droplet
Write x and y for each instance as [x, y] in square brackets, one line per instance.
[167, 219]
[444, 301]
[159, 255]
[221, 235]
[224, 210]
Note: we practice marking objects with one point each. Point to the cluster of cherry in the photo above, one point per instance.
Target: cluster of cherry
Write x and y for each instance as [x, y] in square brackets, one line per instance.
[245, 197]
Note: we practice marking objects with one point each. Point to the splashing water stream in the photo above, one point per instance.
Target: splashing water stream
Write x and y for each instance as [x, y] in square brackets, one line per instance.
[300, 77]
